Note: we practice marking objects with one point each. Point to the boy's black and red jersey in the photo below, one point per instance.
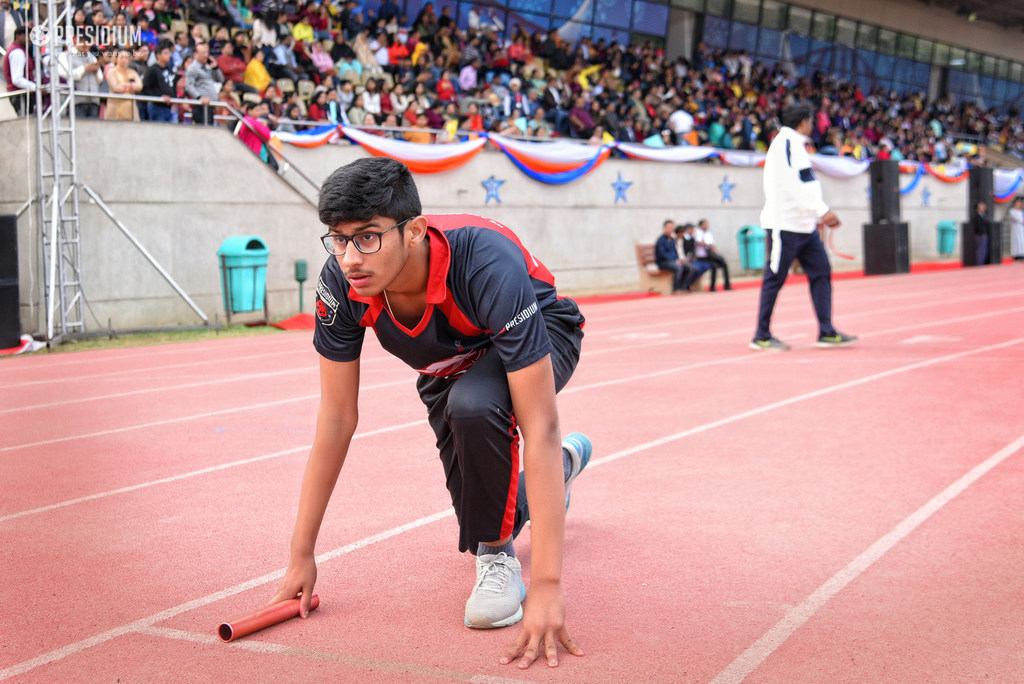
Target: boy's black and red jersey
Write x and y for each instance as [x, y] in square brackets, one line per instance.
[484, 289]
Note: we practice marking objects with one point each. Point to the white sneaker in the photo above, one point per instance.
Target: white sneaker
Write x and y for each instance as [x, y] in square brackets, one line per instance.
[497, 598]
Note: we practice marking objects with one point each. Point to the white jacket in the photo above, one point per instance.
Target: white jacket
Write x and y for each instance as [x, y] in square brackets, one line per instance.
[792, 194]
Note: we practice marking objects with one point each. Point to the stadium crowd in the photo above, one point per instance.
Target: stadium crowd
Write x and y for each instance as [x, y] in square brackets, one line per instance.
[308, 62]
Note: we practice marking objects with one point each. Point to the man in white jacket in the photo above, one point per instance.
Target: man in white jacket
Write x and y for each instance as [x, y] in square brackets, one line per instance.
[793, 208]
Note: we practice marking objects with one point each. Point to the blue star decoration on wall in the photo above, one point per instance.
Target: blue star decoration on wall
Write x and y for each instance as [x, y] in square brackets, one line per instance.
[926, 198]
[492, 185]
[726, 188]
[620, 186]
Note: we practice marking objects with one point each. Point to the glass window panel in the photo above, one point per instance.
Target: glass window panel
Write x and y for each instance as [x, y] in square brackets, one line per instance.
[884, 66]
[846, 32]
[694, 5]
[819, 56]
[773, 14]
[611, 13]
[1000, 90]
[650, 18]
[1002, 68]
[867, 37]
[718, 8]
[533, 23]
[823, 26]
[568, 8]
[744, 37]
[844, 61]
[957, 57]
[798, 46]
[887, 41]
[748, 11]
[905, 46]
[1016, 71]
[921, 76]
[988, 65]
[800, 20]
[769, 45]
[923, 52]
[533, 6]
[864, 62]
[716, 33]
[610, 35]
[901, 70]
[973, 61]
[571, 30]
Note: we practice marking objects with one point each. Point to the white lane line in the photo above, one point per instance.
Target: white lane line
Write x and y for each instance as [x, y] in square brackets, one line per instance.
[761, 649]
[195, 473]
[147, 622]
[164, 388]
[798, 398]
[209, 639]
[181, 419]
[144, 623]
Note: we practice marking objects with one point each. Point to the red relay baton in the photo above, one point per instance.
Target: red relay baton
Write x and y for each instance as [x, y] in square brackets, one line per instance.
[261, 619]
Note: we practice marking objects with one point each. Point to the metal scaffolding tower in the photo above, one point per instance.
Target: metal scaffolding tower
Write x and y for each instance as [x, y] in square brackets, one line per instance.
[57, 180]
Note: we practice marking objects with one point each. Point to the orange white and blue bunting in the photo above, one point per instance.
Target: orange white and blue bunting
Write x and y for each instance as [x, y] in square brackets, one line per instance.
[554, 163]
[562, 161]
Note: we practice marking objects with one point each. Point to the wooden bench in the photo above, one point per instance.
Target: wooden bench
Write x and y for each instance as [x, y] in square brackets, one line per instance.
[653, 279]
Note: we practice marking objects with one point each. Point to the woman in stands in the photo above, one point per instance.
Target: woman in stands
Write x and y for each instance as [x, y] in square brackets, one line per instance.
[123, 80]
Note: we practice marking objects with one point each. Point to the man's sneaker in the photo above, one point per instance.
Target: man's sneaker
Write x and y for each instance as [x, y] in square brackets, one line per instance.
[771, 344]
[497, 598]
[579, 448]
[837, 340]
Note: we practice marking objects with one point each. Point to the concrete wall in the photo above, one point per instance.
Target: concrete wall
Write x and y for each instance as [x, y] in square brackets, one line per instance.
[181, 190]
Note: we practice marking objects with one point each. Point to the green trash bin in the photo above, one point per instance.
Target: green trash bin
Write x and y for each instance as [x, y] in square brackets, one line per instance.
[243, 265]
[947, 237]
[751, 240]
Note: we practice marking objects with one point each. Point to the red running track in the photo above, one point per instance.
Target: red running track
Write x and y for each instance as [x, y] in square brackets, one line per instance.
[845, 515]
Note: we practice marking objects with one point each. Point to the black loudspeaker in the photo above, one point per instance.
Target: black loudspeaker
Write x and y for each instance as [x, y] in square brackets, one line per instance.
[10, 322]
[886, 248]
[980, 189]
[885, 191]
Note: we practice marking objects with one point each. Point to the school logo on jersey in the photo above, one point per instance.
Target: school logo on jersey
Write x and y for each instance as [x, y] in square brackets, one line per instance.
[326, 304]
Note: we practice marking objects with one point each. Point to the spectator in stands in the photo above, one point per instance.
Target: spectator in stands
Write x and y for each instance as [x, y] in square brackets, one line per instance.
[122, 80]
[371, 98]
[581, 123]
[668, 259]
[256, 75]
[469, 77]
[705, 251]
[473, 121]
[318, 105]
[80, 66]
[292, 112]
[686, 247]
[181, 48]
[421, 131]
[255, 133]
[538, 126]
[324, 65]
[233, 69]
[356, 113]
[264, 30]
[349, 68]
[10, 19]
[284, 64]
[399, 99]
[303, 30]
[221, 37]
[202, 82]
[19, 71]
[425, 24]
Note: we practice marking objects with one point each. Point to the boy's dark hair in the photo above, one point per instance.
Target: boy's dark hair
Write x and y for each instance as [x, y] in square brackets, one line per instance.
[20, 31]
[794, 114]
[164, 44]
[375, 186]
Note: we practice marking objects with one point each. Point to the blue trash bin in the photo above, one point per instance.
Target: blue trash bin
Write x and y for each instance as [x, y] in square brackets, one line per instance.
[751, 241]
[243, 263]
[947, 231]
